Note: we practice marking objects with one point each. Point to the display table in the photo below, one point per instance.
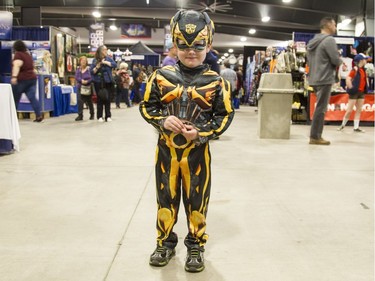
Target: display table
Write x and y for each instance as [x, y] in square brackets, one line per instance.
[9, 128]
[337, 107]
[61, 97]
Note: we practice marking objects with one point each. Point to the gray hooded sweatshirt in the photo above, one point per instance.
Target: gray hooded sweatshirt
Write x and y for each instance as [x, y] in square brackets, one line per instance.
[323, 58]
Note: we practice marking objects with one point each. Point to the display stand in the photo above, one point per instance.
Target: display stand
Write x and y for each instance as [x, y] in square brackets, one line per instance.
[43, 95]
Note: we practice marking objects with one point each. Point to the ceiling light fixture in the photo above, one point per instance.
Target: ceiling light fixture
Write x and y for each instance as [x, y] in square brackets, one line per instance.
[252, 31]
[287, 1]
[266, 19]
[243, 39]
[113, 27]
[230, 50]
[346, 21]
[96, 14]
[226, 54]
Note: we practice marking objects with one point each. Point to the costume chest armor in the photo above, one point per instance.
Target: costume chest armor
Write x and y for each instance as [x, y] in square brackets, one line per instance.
[187, 95]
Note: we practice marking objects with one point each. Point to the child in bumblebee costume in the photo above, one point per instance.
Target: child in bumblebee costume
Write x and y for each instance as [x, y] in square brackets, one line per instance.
[188, 104]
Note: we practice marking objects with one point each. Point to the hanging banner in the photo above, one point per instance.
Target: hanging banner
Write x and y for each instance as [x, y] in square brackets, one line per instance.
[167, 38]
[96, 34]
[135, 31]
[6, 24]
[338, 104]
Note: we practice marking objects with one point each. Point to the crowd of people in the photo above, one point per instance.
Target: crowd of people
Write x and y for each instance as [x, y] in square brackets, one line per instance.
[110, 81]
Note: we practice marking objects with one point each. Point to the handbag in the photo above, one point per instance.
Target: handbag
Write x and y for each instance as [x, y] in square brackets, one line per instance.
[86, 90]
[103, 94]
[73, 99]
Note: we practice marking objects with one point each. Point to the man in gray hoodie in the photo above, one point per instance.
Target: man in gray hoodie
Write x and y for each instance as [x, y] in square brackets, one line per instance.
[323, 59]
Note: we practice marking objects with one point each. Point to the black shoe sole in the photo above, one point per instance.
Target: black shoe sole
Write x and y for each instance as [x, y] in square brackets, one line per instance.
[194, 269]
[161, 264]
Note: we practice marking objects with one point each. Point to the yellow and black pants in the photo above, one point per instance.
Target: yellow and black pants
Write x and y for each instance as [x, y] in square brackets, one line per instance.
[185, 172]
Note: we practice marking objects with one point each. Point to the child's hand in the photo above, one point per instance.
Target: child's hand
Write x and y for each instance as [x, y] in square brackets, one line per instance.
[172, 123]
[189, 132]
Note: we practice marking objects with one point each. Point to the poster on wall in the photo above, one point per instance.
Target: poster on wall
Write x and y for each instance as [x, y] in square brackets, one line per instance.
[47, 87]
[69, 63]
[135, 31]
[68, 43]
[60, 55]
[74, 46]
[6, 24]
[96, 35]
[75, 63]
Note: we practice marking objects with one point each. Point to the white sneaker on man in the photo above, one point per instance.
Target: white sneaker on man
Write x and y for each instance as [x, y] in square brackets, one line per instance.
[100, 119]
[109, 119]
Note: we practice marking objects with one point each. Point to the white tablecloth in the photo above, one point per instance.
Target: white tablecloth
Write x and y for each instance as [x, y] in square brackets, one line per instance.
[9, 127]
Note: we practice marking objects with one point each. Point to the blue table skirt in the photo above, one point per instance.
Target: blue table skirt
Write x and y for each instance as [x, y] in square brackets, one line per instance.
[62, 103]
[6, 146]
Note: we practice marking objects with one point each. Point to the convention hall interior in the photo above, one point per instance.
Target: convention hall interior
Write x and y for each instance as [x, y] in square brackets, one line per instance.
[78, 196]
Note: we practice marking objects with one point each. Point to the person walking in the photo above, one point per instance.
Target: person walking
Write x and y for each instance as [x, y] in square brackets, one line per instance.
[356, 87]
[84, 91]
[123, 80]
[101, 71]
[230, 75]
[24, 78]
[323, 59]
[188, 104]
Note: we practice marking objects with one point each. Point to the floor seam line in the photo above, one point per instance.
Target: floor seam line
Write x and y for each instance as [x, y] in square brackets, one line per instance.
[119, 244]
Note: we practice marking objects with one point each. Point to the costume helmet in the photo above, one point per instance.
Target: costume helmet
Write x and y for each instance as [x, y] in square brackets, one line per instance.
[191, 26]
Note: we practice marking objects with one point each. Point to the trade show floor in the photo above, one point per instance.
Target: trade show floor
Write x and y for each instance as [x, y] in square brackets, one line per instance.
[77, 203]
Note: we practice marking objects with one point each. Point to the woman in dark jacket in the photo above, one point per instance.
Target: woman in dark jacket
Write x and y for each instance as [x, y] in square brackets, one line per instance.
[101, 71]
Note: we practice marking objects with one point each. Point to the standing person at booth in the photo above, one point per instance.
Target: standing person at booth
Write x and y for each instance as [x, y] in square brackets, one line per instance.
[323, 59]
[84, 91]
[23, 78]
[189, 105]
[356, 87]
[171, 57]
[101, 71]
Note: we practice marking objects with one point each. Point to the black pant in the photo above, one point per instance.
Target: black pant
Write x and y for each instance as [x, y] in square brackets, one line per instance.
[122, 94]
[82, 99]
[100, 103]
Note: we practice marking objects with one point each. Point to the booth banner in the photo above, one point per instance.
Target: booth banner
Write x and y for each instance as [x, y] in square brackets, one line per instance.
[137, 57]
[6, 24]
[338, 104]
[135, 31]
[167, 38]
[31, 45]
[96, 34]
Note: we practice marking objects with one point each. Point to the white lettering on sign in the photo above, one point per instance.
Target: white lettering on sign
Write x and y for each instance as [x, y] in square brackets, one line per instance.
[344, 106]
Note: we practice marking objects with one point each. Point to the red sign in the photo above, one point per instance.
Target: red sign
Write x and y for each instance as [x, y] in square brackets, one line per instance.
[338, 104]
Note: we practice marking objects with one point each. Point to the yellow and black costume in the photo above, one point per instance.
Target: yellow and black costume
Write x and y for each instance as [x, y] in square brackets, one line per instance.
[199, 97]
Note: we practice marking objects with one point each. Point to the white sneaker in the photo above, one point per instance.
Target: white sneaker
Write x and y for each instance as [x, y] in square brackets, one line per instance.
[109, 119]
[100, 119]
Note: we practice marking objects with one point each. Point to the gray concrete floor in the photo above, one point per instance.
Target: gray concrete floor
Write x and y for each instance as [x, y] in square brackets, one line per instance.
[78, 204]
